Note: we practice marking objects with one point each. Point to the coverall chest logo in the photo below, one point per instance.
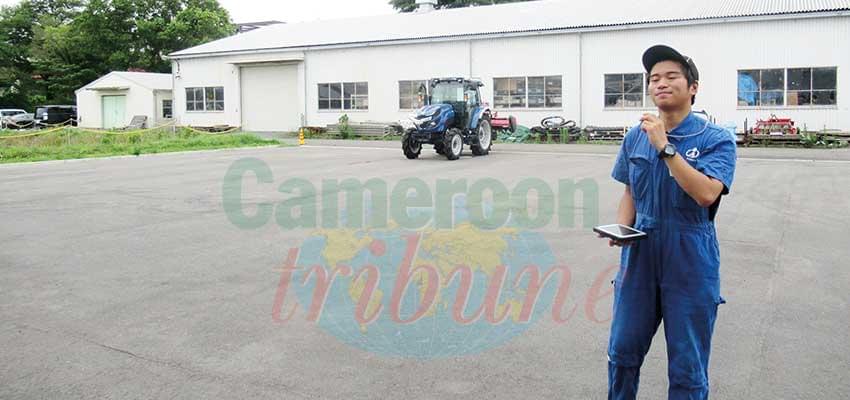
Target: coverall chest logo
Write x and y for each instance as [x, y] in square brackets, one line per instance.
[692, 154]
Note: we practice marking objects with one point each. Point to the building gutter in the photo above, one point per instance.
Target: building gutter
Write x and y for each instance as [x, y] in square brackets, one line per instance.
[528, 33]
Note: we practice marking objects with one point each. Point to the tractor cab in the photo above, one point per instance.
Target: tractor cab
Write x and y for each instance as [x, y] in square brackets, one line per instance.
[461, 94]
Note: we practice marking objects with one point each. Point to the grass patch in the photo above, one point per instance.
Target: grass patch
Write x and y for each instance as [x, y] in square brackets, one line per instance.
[71, 143]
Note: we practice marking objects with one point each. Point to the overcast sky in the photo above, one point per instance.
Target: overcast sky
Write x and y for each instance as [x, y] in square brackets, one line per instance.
[295, 10]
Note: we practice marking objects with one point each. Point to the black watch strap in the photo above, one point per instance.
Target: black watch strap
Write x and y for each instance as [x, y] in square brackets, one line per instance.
[669, 150]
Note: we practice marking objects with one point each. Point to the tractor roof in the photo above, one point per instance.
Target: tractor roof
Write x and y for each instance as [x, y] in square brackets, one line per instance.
[477, 82]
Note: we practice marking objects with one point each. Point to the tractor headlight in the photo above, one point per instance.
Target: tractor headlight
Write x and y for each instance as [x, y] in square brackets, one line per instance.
[421, 122]
[407, 123]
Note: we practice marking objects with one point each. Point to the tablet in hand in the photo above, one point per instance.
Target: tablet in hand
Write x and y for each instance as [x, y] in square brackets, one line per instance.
[620, 232]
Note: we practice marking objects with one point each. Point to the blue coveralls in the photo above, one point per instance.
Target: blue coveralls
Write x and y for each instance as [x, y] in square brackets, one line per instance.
[673, 274]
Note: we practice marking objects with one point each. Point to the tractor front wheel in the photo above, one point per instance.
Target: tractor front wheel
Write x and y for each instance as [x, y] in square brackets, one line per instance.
[410, 146]
[453, 144]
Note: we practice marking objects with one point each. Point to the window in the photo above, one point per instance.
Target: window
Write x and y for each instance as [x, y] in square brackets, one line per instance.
[325, 97]
[787, 87]
[527, 92]
[471, 96]
[509, 92]
[811, 86]
[194, 99]
[552, 87]
[204, 99]
[214, 99]
[761, 87]
[167, 109]
[449, 92]
[408, 94]
[626, 91]
[344, 96]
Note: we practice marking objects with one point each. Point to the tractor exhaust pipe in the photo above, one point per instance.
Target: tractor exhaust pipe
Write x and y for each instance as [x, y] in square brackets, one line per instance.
[424, 6]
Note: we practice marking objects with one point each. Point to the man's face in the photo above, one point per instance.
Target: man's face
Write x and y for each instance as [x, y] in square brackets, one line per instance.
[668, 86]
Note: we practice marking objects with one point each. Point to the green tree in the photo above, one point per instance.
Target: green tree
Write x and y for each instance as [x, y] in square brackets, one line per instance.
[23, 30]
[138, 34]
[410, 5]
[50, 48]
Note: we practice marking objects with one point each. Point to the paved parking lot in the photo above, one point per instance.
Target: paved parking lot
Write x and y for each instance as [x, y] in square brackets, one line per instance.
[124, 278]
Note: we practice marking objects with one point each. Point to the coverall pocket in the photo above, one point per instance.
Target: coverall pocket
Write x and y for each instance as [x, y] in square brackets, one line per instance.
[639, 168]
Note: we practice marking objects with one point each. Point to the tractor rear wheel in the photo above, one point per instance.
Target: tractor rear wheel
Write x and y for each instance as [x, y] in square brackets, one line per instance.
[481, 144]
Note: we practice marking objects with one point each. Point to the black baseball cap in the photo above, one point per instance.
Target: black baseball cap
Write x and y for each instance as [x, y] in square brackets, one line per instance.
[658, 53]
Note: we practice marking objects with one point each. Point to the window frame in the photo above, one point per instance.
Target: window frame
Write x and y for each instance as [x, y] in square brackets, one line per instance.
[646, 100]
[414, 97]
[520, 98]
[214, 101]
[207, 105]
[787, 91]
[170, 109]
[352, 98]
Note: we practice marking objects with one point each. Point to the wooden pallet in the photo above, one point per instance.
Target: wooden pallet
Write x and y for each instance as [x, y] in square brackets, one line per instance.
[214, 128]
[366, 129]
[605, 133]
[776, 138]
[796, 139]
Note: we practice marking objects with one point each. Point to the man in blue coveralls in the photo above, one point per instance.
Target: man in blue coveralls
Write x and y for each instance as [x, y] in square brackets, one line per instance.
[676, 166]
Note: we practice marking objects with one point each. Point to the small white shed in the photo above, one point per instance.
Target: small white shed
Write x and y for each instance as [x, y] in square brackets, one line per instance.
[113, 100]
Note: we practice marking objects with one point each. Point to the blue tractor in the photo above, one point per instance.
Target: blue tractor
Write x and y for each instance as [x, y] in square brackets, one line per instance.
[453, 115]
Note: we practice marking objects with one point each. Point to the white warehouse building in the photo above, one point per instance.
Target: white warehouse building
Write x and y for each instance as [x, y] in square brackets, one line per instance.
[580, 60]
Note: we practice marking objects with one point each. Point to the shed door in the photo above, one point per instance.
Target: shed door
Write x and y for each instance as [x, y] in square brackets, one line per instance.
[113, 111]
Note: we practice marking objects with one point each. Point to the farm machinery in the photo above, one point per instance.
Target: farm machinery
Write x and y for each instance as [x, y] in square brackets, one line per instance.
[775, 126]
[551, 129]
[453, 116]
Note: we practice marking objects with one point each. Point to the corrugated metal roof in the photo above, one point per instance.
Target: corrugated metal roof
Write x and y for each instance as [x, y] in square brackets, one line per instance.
[149, 80]
[542, 15]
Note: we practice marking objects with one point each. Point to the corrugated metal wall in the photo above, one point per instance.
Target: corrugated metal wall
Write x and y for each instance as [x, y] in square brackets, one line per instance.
[544, 55]
[719, 50]
[382, 67]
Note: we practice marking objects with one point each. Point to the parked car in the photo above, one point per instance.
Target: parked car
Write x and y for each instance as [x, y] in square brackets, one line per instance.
[21, 121]
[55, 115]
[6, 113]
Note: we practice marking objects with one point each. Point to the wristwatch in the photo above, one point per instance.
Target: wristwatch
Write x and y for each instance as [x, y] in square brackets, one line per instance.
[669, 150]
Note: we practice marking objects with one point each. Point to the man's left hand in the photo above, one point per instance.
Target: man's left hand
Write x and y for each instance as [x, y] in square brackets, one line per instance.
[655, 130]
